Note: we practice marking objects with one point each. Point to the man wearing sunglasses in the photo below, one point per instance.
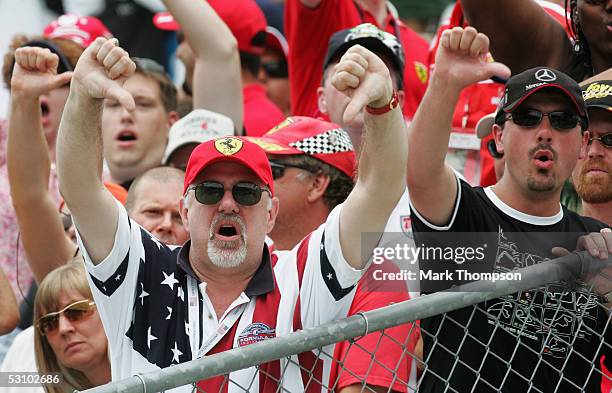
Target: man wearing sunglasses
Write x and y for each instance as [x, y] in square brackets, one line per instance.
[540, 128]
[223, 289]
[592, 176]
[313, 165]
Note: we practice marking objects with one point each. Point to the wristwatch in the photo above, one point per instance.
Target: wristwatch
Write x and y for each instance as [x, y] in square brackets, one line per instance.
[393, 103]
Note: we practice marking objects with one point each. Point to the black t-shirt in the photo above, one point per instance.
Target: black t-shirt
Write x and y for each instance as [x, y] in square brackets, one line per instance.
[550, 336]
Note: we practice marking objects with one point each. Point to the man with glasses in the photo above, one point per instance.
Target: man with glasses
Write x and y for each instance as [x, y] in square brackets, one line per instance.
[592, 176]
[542, 339]
[313, 165]
[223, 289]
[134, 142]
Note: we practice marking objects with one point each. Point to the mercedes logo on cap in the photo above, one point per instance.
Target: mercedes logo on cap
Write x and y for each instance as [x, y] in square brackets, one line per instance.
[545, 75]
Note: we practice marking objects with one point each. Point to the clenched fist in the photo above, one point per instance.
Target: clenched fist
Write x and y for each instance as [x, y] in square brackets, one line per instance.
[364, 78]
[102, 70]
[35, 72]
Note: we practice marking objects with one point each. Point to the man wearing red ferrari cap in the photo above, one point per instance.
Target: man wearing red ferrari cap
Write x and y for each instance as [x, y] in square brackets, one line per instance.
[223, 283]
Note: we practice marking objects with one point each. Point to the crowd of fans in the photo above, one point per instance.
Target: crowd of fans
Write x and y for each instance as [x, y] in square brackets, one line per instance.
[147, 223]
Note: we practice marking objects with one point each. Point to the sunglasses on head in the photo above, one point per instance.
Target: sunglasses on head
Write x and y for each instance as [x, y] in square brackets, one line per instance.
[278, 168]
[275, 69]
[74, 312]
[245, 193]
[559, 120]
[605, 140]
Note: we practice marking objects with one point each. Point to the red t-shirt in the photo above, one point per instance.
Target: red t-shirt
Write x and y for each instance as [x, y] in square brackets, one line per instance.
[308, 31]
[260, 114]
[377, 358]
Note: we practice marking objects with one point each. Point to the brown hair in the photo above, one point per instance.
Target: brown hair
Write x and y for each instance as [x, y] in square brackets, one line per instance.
[155, 71]
[68, 278]
[70, 49]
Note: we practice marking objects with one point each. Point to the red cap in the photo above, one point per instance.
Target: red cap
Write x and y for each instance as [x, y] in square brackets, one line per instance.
[80, 29]
[232, 149]
[244, 18]
[276, 40]
[320, 139]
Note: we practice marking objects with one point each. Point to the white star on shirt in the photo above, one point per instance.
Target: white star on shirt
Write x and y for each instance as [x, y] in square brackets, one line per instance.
[159, 245]
[321, 246]
[169, 312]
[143, 294]
[150, 337]
[330, 276]
[169, 280]
[181, 294]
[186, 328]
[118, 277]
[176, 353]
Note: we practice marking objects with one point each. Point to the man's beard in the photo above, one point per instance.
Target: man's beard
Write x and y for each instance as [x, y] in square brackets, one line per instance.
[594, 189]
[227, 254]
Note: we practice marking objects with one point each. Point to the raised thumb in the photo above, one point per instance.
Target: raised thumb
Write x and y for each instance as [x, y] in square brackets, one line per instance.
[125, 99]
[61, 79]
[497, 69]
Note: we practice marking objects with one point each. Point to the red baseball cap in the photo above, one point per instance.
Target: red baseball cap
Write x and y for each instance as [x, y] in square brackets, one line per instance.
[276, 40]
[233, 149]
[82, 30]
[244, 18]
[320, 139]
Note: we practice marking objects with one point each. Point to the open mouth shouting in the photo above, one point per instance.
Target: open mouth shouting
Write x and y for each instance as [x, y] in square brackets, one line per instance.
[126, 138]
[44, 109]
[543, 159]
[227, 229]
[227, 244]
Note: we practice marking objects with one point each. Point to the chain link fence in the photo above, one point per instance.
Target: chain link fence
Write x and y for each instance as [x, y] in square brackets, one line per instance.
[548, 332]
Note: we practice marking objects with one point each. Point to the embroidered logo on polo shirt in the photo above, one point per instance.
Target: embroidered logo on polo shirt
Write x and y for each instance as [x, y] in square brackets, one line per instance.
[255, 333]
[421, 71]
[228, 146]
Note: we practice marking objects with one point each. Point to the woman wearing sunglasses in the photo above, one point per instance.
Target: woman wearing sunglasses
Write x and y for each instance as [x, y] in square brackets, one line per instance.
[69, 338]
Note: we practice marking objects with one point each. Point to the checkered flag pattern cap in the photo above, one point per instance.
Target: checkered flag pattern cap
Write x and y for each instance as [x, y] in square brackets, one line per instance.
[320, 139]
[332, 141]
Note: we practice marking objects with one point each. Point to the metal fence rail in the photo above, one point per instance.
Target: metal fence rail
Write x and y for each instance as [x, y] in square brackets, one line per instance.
[566, 269]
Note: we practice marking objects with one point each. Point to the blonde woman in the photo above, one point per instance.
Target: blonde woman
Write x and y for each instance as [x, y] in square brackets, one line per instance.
[69, 337]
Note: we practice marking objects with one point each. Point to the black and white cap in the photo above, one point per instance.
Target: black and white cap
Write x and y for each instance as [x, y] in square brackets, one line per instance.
[523, 85]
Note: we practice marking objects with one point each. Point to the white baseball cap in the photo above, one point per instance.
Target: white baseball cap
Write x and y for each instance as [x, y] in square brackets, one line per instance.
[485, 125]
[200, 125]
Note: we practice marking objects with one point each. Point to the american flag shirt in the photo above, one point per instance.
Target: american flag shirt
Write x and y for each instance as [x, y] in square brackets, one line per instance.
[141, 290]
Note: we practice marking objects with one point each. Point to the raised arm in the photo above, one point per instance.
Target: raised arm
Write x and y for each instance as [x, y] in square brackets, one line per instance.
[45, 242]
[217, 83]
[9, 312]
[522, 34]
[363, 77]
[99, 74]
[460, 61]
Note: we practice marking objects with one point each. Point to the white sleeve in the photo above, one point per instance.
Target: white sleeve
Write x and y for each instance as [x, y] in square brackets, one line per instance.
[113, 281]
[328, 282]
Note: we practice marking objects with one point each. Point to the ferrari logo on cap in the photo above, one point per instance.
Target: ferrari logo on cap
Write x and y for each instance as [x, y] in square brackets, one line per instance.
[228, 146]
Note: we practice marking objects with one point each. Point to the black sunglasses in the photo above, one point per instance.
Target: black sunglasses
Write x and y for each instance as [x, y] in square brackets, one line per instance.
[74, 312]
[605, 140]
[559, 120]
[278, 168]
[275, 69]
[245, 193]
